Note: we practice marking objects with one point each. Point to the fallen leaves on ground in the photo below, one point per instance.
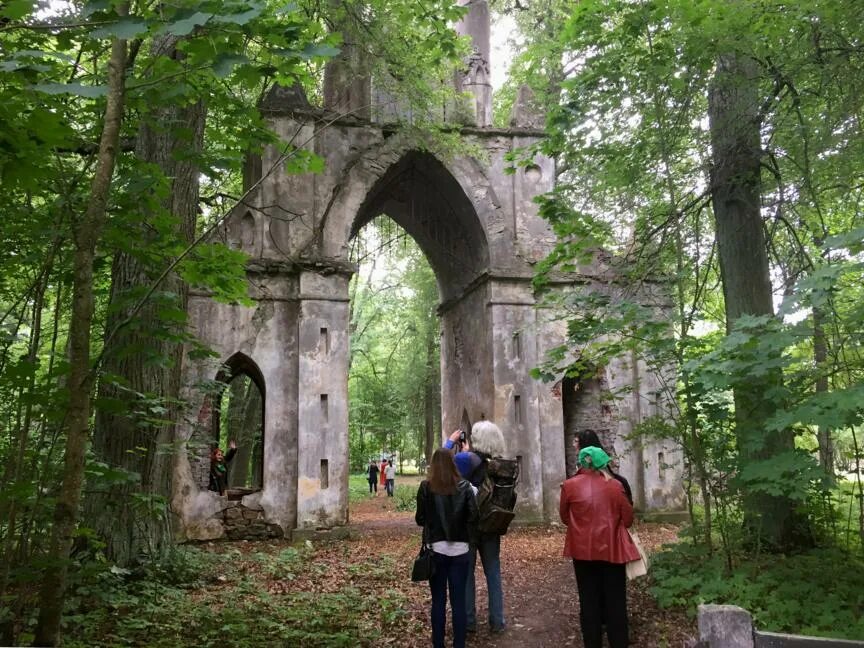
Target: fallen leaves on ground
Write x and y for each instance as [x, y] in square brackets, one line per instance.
[541, 604]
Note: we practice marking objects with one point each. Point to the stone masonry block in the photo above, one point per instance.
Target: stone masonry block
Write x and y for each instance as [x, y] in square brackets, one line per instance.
[725, 626]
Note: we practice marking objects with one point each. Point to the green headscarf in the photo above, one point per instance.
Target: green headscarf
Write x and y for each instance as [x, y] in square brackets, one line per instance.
[592, 457]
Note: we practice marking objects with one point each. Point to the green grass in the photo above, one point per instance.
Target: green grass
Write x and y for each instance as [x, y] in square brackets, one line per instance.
[358, 488]
[405, 491]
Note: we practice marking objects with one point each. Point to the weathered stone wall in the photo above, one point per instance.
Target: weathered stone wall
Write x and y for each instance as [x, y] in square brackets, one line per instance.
[266, 335]
[245, 523]
[466, 339]
[322, 417]
[479, 228]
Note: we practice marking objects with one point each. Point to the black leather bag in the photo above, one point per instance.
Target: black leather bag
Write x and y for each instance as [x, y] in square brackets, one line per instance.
[423, 567]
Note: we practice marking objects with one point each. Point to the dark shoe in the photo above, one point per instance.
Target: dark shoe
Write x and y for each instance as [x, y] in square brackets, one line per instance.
[497, 629]
[471, 628]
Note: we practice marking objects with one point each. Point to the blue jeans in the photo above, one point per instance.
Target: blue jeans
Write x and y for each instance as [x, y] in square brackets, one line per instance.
[489, 548]
[389, 486]
[450, 571]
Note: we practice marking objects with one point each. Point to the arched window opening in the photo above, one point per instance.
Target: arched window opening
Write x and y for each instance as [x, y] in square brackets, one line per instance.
[238, 427]
[586, 407]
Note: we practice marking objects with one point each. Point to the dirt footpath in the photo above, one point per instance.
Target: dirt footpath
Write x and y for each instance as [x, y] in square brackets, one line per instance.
[540, 600]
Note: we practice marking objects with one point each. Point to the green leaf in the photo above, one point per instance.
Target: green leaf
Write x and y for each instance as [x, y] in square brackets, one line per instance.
[853, 239]
[71, 88]
[225, 63]
[185, 26]
[319, 50]
[303, 161]
[125, 28]
[290, 7]
[17, 9]
[94, 6]
[240, 18]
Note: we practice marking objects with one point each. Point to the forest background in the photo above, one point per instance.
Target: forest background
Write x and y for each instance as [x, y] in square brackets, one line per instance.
[709, 148]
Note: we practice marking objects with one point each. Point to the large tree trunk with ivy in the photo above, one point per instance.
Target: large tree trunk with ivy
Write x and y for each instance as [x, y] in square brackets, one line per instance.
[86, 232]
[143, 349]
[733, 107]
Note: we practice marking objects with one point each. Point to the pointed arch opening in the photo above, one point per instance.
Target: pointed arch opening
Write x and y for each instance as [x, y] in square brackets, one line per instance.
[419, 197]
[423, 197]
[237, 428]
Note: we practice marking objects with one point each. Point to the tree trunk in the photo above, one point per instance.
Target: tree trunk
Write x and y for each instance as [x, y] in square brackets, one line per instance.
[145, 352]
[86, 232]
[820, 358]
[736, 197]
[430, 402]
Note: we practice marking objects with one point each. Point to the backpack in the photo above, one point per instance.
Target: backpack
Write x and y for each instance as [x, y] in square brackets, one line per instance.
[496, 496]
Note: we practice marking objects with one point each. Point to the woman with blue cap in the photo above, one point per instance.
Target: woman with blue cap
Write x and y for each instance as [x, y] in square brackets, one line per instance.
[597, 514]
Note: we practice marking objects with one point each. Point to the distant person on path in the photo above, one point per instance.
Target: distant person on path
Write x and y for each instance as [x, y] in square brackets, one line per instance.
[447, 509]
[589, 439]
[487, 441]
[390, 477]
[381, 469]
[219, 467]
[595, 509]
[372, 476]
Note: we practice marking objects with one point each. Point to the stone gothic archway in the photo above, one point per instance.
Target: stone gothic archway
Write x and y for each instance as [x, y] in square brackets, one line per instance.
[478, 226]
[419, 193]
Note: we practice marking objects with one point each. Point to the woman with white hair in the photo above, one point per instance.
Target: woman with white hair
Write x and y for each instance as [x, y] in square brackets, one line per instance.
[486, 441]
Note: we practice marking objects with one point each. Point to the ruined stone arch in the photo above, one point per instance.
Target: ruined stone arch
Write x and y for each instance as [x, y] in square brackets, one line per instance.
[240, 363]
[422, 196]
[366, 190]
[463, 206]
[474, 208]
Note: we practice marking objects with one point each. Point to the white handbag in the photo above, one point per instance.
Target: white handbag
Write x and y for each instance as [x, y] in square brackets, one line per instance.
[637, 568]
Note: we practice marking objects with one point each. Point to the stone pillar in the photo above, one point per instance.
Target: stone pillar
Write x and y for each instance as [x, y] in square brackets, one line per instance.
[467, 385]
[526, 113]
[347, 80]
[725, 626]
[552, 443]
[476, 24]
[476, 79]
[517, 403]
[322, 412]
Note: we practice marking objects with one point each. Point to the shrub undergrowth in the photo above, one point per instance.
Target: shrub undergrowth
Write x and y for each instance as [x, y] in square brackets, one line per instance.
[204, 598]
[819, 592]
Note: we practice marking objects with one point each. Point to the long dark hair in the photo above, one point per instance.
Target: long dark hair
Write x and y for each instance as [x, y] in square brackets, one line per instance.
[443, 475]
[589, 439]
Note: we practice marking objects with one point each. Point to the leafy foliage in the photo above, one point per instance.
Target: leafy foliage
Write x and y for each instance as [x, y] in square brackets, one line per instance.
[815, 593]
[394, 346]
[219, 57]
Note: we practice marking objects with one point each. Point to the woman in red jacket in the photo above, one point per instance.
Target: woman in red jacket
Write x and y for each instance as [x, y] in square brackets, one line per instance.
[597, 514]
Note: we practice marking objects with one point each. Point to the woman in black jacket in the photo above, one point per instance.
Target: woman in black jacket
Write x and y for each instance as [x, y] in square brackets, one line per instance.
[219, 468]
[447, 511]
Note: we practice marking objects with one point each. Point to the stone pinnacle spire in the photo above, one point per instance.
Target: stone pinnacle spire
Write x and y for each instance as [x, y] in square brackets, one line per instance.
[476, 79]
